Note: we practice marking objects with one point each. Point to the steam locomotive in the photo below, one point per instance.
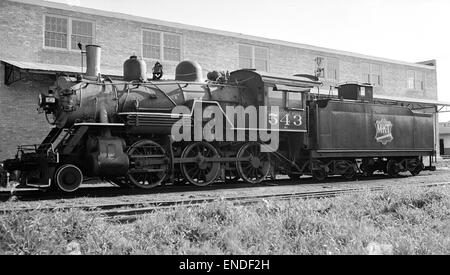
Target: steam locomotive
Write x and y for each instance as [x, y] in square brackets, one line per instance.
[123, 131]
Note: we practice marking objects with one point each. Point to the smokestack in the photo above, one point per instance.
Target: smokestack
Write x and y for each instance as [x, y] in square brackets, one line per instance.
[93, 57]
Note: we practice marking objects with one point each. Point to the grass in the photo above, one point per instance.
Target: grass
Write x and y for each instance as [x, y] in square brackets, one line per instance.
[407, 221]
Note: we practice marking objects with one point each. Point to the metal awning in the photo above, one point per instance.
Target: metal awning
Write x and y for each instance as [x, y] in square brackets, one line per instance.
[14, 70]
[412, 103]
[416, 103]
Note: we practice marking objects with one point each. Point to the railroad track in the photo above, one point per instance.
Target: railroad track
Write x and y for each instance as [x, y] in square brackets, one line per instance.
[113, 191]
[122, 212]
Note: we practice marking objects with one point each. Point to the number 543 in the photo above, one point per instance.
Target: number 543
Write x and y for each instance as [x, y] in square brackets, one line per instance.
[287, 120]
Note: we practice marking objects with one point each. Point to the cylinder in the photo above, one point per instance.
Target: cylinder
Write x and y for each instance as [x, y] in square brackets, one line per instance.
[93, 58]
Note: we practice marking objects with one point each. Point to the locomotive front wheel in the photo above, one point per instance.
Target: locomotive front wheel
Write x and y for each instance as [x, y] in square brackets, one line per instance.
[201, 172]
[257, 168]
[148, 164]
[68, 178]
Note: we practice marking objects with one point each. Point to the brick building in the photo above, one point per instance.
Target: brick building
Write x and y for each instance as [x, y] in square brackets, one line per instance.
[38, 40]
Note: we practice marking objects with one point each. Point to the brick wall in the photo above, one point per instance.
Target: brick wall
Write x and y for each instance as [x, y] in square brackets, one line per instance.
[20, 122]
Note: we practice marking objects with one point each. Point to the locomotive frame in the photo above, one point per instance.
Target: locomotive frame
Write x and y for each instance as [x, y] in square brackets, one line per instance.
[121, 131]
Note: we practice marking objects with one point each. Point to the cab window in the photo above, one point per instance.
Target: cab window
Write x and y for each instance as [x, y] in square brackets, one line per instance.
[294, 100]
[275, 98]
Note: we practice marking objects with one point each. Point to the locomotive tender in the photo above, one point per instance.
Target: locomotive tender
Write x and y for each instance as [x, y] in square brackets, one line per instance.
[121, 131]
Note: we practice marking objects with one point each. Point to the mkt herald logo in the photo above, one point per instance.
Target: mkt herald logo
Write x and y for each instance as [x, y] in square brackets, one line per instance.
[384, 131]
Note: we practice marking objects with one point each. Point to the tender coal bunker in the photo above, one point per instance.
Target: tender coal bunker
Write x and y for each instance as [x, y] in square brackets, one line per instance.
[355, 91]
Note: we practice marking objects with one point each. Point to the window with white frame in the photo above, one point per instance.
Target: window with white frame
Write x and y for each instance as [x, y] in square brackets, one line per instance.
[161, 45]
[411, 79]
[416, 80]
[56, 32]
[254, 57]
[371, 73]
[375, 74]
[82, 32]
[420, 81]
[60, 32]
[365, 72]
[332, 70]
[320, 69]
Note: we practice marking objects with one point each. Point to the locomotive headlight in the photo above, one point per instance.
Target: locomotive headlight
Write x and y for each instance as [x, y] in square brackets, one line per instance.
[47, 103]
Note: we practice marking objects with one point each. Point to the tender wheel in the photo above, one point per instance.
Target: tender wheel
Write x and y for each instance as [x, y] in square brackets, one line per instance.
[368, 167]
[149, 164]
[318, 170]
[346, 169]
[415, 167]
[68, 178]
[201, 171]
[257, 167]
[392, 168]
[319, 174]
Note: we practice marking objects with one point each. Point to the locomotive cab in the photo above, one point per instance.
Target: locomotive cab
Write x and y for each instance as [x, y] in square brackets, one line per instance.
[287, 94]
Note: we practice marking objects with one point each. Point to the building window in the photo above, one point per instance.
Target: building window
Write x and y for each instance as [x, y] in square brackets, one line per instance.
[416, 80]
[161, 46]
[172, 47]
[151, 45]
[320, 69]
[372, 73]
[365, 71]
[327, 68]
[56, 32]
[254, 57]
[375, 74]
[82, 32]
[420, 81]
[332, 70]
[411, 79]
[60, 32]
